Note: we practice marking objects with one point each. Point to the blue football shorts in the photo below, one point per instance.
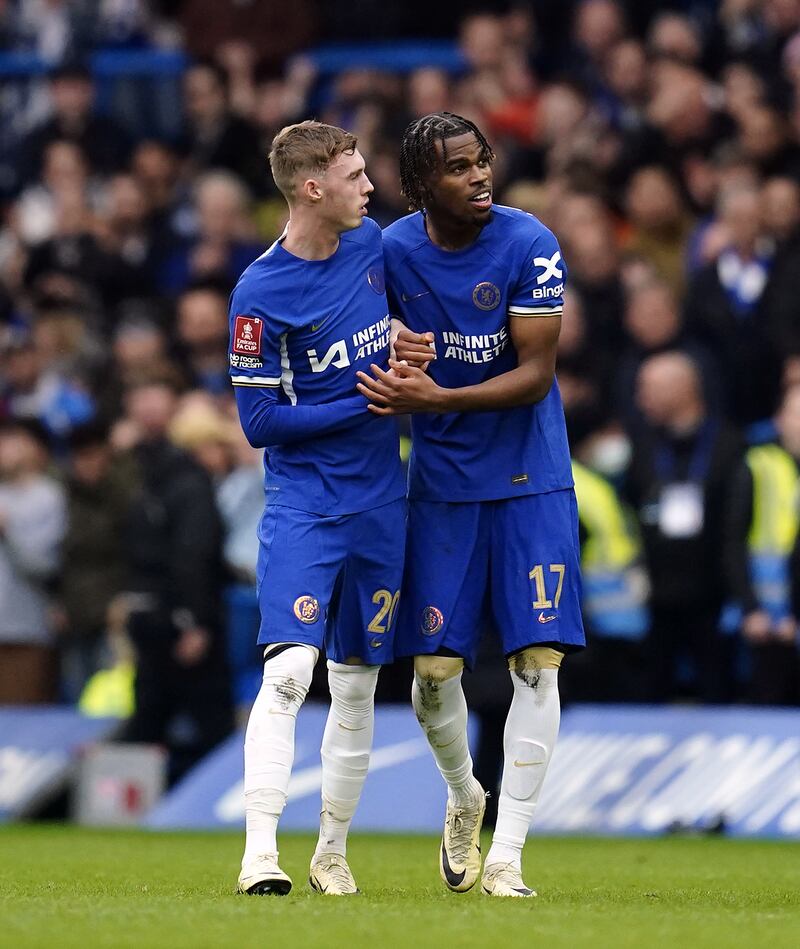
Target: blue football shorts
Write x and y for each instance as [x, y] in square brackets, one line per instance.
[513, 563]
[332, 582]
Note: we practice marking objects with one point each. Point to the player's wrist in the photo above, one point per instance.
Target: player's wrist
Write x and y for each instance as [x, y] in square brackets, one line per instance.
[444, 400]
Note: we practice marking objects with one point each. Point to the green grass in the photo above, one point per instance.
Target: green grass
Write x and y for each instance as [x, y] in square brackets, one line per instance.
[65, 887]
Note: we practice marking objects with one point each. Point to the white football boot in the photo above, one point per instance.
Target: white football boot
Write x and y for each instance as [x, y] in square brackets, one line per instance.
[330, 874]
[460, 852]
[263, 877]
[504, 879]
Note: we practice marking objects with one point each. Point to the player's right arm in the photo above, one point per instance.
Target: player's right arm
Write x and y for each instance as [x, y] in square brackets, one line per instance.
[259, 377]
[265, 421]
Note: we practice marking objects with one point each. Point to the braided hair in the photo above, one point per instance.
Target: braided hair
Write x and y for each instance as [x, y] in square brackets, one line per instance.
[418, 157]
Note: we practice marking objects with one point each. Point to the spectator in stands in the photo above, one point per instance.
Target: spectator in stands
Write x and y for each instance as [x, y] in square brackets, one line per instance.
[625, 78]
[101, 139]
[217, 138]
[583, 372]
[32, 522]
[172, 545]
[660, 224]
[765, 141]
[615, 596]
[599, 25]
[216, 441]
[674, 36]
[762, 526]
[64, 179]
[276, 30]
[780, 203]
[654, 324]
[731, 306]
[225, 241]
[139, 349]
[202, 333]
[99, 492]
[594, 264]
[34, 390]
[126, 233]
[156, 168]
[679, 482]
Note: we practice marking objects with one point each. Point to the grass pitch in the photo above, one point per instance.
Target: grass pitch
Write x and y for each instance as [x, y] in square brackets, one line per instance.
[70, 887]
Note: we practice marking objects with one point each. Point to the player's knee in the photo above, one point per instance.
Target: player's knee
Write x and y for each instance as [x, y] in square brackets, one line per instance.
[437, 668]
[288, 673]
[352, 684]
[430, 674]
[527, 664]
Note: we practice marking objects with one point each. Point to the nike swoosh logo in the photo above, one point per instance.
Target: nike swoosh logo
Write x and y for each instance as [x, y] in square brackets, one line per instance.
[454, 879]
[347, 728]
[546, 619]
[414, 296]
[316, 326]
[525, 764]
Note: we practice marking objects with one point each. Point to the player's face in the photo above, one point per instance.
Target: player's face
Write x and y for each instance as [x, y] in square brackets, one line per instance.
[345, 191]
[461, 187]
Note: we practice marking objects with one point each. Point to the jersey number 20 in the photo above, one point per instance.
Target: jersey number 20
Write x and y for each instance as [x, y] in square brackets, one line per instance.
[387, 604]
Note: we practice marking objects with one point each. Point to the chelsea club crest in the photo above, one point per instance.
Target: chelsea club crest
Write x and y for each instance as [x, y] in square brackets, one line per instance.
[486, 296]
[376, 280]
[432, 620]
[306, 609]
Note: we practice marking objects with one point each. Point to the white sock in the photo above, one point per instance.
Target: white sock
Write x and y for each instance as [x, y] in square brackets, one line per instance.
[441, 710]
[269, 745]
[528, 741]
[346, 745]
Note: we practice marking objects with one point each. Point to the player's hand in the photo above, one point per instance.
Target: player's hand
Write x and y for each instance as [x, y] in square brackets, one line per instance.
[756, 626]
[402, 390]
[416, 349]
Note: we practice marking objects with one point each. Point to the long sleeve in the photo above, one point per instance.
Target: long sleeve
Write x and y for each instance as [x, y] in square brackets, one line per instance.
[266, 421]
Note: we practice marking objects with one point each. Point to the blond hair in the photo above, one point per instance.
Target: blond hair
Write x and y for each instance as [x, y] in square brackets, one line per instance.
[309, 147]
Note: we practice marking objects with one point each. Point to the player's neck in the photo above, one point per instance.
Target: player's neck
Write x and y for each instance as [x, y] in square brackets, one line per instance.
[451, 235]
[308, 238]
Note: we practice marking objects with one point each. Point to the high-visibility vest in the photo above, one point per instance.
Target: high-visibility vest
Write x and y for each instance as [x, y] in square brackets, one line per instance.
[109, 693]
[774, 526]
[615, 587]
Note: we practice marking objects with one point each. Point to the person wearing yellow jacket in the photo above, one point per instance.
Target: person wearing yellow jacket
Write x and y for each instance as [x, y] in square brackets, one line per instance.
[615, 591]
[763, 523]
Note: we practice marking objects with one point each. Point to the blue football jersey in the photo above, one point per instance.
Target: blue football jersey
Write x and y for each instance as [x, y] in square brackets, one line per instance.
[299, 331]
[465, 297]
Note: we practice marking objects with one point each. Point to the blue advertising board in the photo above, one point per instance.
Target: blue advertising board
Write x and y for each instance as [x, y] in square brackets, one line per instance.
[38, 749]
[403, 792]
[617, 770]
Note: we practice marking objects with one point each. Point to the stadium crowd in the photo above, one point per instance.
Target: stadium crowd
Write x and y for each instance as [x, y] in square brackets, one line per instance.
[660, 142]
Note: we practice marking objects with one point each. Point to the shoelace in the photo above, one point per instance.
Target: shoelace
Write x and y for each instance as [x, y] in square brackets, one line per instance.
[338, 870]
[461, 829]
[500, 868]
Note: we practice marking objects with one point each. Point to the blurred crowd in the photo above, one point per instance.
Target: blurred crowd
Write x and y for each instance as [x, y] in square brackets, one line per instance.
[661, 143]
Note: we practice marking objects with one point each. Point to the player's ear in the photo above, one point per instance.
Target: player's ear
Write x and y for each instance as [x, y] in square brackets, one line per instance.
[311, 189]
